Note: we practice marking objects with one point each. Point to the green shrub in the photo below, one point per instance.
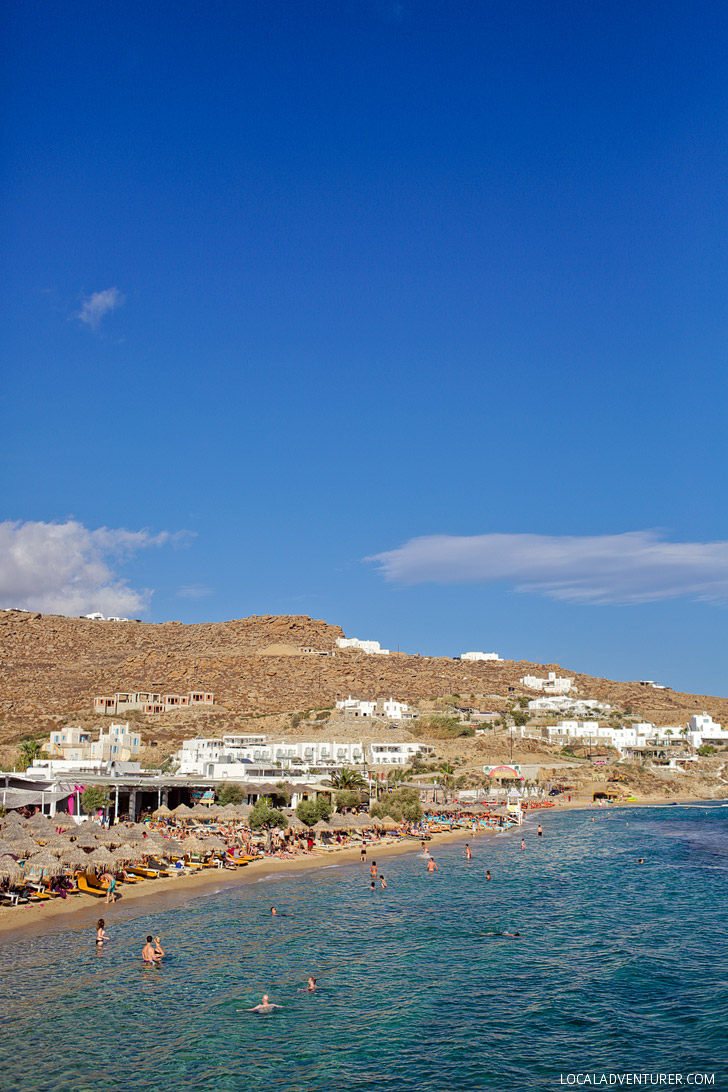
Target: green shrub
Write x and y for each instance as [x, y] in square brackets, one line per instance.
[228, 793]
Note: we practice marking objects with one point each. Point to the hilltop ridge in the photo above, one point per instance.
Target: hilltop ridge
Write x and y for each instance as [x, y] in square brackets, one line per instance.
[53, 666]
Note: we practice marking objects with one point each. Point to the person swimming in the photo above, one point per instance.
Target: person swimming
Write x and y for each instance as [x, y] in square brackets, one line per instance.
[311, 984]
[373, 886]
[384, 882]
[265, 1005]
[273, 911]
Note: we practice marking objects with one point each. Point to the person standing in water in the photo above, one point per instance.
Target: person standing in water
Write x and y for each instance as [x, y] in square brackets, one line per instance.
[363, 857]
[431, 866]
[373, 870]
[265, 1005]
[101, 934]
[523, 843]
[487, 873]
[540, 831]
[468, 854]
[311, 984]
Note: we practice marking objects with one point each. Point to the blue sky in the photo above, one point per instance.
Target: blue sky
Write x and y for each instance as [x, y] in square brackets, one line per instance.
[289, 286]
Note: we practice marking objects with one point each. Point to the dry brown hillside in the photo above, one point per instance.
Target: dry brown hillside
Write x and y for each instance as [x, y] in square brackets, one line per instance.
[51, 666]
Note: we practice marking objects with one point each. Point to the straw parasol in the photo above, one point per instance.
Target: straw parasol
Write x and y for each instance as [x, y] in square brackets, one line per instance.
[8, 847]
[100, 857]
[242, 811]
[194, 845]
[294, 823]
[162, 812]
[388, 823]
[21, 843]
[172, 847]
[86, 841]
[10, 870]
[323, 827]
[182, 812]
[213, 842]
[44, 863]
[64, 821]
[73, 858]
[127, 854]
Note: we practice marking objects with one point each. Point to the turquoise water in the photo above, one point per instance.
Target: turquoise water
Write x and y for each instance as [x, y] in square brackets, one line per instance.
[620, 967]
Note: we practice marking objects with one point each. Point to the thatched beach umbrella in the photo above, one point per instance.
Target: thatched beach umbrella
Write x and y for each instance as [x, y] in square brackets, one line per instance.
[7, 847]
[213, 842]
[194, 845]
[22, 843]
[64, 821]
[172, 848]
[127, 854]
[100, 857]
[162, 812]
[294, 823]
[43, 863]
[323, 827]
[182, 812]
[10, 870]
[86, 841]
[387, 823]
[73, 858]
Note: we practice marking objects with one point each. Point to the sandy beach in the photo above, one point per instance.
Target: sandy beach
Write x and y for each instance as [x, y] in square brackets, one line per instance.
[79, 911]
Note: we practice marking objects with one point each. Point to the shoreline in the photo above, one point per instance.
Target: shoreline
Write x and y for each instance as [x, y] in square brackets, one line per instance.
[167, 892]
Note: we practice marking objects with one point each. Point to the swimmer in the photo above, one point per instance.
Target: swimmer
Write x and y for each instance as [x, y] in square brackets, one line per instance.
[273, 911]
[641, 860]
[373, 870]
[431, 866]
[372, 886]
[148, 952]
[510, 934]
[487, 874]
[384, 882]
[265, 1005]
[311, 984]
[468, 854]
[540, 831]
[523, 843]
[101, 934]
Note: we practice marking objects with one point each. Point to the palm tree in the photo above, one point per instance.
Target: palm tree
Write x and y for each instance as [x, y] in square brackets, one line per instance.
[346, 778]
[30, 749]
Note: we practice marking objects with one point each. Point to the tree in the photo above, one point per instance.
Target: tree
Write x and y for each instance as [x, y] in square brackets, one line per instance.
[346, 778]
[30, 749]
[310, 811]
[228, 793]
[94, 797]
[347, 798]
[520, 719]
[263, 816]
[402, 804]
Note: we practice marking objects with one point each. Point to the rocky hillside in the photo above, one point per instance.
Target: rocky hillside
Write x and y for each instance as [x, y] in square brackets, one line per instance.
[52, 666]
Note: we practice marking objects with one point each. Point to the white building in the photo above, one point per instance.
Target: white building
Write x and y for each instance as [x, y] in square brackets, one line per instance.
[73, 744]
[232, 759]
[579, 707]
[372, 648]
[702, 730]
[396, 754]
[623, 738]
[481, 656]
[550, 685]
[387, 708]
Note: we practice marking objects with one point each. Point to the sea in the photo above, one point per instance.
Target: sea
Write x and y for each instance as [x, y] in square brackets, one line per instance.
[619, 972]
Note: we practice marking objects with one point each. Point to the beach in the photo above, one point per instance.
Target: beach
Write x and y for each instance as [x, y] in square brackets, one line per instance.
[167, 892]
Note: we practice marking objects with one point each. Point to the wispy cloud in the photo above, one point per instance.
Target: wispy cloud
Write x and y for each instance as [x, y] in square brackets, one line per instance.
[636, 567]
[66, 568]
[99, 304]
[194, 591]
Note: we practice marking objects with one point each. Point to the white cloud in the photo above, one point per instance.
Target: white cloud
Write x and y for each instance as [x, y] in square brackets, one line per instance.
[65, 568]
[636, 567]
[98, 304]
[194, 591]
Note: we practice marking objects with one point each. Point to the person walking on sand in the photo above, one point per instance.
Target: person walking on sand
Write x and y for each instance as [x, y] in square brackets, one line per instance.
[111, 889]
[363, 855]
